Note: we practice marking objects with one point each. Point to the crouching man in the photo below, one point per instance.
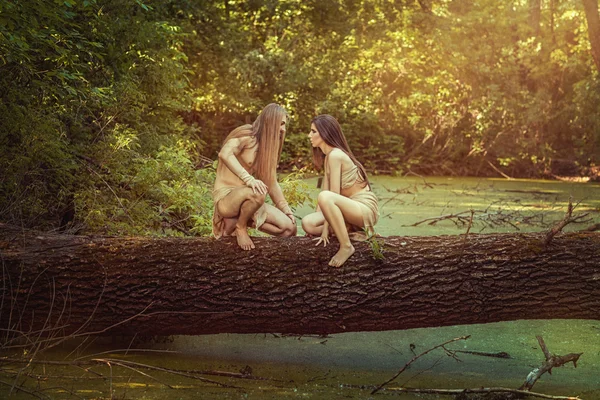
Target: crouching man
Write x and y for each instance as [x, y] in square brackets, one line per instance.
[246, 173]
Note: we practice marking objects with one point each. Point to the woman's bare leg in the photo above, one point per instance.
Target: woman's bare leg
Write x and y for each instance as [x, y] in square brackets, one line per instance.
[313, 223]
[339, 210]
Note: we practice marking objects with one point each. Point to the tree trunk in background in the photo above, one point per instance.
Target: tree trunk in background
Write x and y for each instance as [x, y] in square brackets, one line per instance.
[593, 21]
[425, 6]
[552, 23]
[535, 15]
[164, 286]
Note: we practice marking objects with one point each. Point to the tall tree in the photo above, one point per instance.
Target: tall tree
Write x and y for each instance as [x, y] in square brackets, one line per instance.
[593, 20]
[535, 15]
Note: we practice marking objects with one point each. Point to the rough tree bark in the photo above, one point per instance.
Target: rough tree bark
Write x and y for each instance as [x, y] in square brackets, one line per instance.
[201, 286]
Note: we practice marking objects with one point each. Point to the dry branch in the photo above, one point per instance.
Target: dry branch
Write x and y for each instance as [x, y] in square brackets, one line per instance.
[551, 361]
[415, 358]
[568, 219]
[483, 390]
[592, 228]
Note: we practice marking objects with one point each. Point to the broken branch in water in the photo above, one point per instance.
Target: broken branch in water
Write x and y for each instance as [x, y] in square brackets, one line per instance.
[501, 354]
[498, 171]
[550, 362]
[503, 217]
[592, 228]
[458, 392]
[491, 218]
[568, 219]
[459, 217]
[135, 366]
[415, 358]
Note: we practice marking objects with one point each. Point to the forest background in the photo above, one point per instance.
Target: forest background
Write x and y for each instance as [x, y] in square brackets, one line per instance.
[112, 112]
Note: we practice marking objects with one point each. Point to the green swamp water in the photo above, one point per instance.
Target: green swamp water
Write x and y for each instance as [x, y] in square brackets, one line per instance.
[350, 365]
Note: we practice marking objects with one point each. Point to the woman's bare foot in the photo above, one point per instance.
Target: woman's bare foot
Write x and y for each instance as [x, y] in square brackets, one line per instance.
[243, 239]
[342, 255]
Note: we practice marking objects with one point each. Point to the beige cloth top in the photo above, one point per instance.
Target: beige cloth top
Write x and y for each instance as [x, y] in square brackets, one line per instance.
[349, 177]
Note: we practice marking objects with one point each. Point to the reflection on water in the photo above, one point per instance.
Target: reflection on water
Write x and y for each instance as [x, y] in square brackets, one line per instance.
[350, 365]
[341, 366]
[370, 358]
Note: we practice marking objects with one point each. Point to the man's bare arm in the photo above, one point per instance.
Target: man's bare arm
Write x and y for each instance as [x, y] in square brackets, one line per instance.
[228, 155]
[279, 200]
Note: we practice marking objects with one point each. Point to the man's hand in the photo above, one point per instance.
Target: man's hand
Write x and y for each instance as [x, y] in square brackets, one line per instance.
[292, 217]
[257, 186]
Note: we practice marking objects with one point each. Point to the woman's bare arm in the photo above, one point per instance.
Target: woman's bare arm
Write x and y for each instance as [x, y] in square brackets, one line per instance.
[331, 181]
[334, 165]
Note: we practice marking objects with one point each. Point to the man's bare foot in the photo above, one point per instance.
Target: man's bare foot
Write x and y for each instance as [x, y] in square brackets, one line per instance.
[243, 239]
[341, 256]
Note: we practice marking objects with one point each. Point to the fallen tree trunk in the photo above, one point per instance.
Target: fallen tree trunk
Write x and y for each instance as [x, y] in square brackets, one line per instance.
[164, 286]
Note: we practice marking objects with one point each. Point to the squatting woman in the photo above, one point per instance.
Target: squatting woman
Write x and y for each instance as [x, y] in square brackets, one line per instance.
[346, 203]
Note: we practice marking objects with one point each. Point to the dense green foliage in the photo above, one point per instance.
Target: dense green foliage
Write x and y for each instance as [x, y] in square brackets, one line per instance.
[114, 109]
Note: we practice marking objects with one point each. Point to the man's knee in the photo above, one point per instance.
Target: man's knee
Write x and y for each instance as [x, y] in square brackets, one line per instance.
[286, 228]
[256, 198]
[289, 230]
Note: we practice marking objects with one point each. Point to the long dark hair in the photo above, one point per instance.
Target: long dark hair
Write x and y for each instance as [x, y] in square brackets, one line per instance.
[331, 133]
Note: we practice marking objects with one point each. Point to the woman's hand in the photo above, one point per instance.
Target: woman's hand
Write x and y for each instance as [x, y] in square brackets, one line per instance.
[324, 236]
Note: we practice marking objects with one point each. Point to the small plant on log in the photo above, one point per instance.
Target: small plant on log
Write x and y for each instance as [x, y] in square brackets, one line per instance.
[376, 243]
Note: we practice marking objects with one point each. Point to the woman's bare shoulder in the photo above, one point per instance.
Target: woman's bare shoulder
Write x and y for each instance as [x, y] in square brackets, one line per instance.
[338, 156]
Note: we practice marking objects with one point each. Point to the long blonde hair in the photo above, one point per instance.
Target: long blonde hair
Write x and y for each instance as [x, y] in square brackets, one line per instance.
[266, 129]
